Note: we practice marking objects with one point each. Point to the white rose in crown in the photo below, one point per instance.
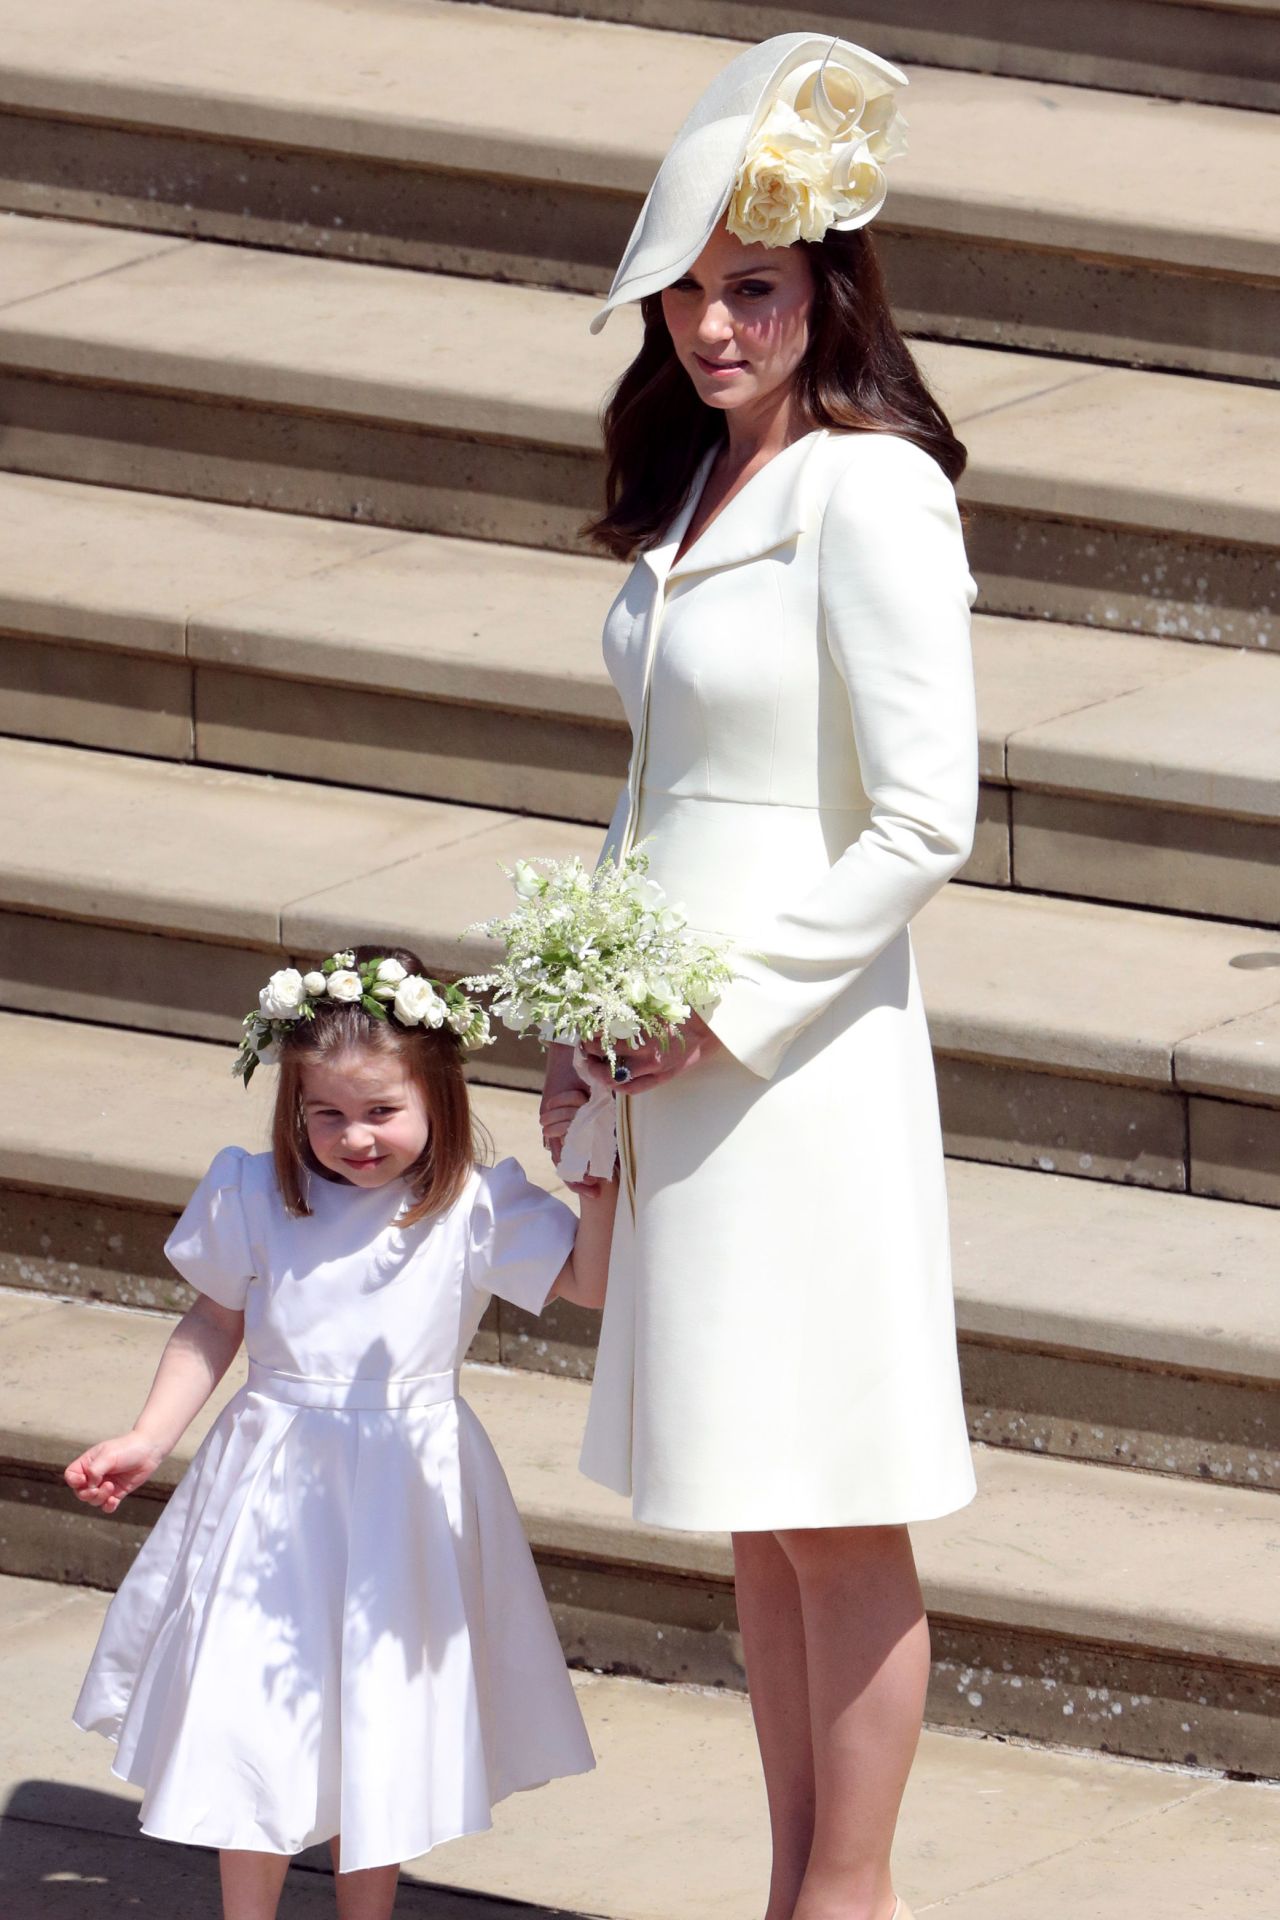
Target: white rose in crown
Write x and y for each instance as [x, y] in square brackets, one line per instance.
[316, 984]
[418, 1004]
[345, 985]
[283, 995]
[389, 975]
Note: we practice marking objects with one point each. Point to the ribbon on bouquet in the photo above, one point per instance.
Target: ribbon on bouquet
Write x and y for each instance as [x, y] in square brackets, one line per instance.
[591, 1144]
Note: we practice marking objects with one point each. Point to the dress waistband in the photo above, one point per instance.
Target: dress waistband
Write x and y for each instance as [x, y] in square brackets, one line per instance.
[353, 1396]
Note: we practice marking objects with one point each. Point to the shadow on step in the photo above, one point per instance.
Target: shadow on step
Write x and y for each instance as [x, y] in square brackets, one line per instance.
[68, 1853]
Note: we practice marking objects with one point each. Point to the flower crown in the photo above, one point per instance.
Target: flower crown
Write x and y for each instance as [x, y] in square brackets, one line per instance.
[382, 988]
[816, 161]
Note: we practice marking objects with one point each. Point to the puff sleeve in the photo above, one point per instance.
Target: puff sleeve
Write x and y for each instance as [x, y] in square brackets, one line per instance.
[894, 593]
[520, 1237]
[210, 1244]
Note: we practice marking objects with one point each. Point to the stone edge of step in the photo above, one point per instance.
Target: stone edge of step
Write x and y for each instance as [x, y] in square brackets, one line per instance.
[464, 847]
[1002, 402]
[568, 1517]
[134, 1087]
[434, 139]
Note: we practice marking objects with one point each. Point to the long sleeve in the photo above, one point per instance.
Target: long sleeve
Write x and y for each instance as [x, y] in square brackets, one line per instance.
[895, 594]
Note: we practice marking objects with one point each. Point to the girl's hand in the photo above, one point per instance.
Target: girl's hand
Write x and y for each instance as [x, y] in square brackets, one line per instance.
[562, 1095]
[656, 1060]
[112, 1470]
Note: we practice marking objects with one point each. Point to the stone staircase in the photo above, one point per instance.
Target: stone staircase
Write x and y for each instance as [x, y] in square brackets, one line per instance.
[299, 642]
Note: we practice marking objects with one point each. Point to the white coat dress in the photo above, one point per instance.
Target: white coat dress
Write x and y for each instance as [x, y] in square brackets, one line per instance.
[778, 1346]
[336, 1625]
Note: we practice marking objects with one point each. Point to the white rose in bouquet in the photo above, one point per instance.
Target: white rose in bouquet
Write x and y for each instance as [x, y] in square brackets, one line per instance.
[528, 882]
[345, 985]
[599, 956]
[283, 995]
[315, 984]
[667, 1003]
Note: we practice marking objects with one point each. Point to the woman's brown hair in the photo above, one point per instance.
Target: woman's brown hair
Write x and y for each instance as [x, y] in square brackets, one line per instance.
[433, 1056]
[857, 375]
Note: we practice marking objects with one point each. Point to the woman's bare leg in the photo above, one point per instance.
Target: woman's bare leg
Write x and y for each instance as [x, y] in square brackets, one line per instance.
[867, 1655]
[773, 1646]
[251, 1883]
[367, 1895]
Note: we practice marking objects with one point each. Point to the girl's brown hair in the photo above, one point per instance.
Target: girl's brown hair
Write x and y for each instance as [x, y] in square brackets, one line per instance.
[857, 375]
[433, 1057]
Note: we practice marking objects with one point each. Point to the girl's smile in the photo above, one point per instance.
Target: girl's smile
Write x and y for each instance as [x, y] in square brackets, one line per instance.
[366, 1118]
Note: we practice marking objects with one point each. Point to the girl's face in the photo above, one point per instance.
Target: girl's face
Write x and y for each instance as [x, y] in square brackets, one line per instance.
[366, 1116]
[739, 321]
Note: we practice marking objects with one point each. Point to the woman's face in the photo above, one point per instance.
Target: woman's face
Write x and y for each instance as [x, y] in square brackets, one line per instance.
[739, 321]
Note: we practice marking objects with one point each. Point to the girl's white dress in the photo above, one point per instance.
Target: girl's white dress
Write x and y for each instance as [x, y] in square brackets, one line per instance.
[336, 1625]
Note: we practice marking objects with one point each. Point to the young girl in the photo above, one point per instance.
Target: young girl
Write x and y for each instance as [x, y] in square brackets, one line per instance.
[335, 1631]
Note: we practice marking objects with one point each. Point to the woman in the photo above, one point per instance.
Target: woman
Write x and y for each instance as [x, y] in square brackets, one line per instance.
[778, 1352]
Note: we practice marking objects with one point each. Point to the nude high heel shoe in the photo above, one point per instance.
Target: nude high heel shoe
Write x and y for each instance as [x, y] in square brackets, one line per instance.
[902, 1911]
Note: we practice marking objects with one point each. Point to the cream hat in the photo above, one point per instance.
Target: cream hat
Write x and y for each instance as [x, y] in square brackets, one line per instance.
[790, 138]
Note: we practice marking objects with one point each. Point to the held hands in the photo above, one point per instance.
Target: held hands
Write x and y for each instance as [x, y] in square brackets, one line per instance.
[112, 1470]
[562, 1095]
[563, 1092]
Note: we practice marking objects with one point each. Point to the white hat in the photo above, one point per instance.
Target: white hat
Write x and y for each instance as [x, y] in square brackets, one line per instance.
[794, 132]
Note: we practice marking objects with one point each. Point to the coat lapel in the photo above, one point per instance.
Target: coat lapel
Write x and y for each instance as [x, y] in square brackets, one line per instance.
[658, 558]
[771, 510]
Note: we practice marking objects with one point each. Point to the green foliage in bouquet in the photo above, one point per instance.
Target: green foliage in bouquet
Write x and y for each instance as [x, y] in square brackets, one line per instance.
[598, 956]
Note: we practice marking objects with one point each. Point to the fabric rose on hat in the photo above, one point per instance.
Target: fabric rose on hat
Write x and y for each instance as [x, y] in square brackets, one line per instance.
[784, 188]
[816, 160]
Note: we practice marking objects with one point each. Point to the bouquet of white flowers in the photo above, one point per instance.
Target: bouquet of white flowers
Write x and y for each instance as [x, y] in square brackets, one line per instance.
[598, 956]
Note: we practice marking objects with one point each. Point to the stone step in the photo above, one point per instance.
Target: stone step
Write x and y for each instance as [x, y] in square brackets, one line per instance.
[1121, 499]
[1097, 1041]
[1096, 1322]
[989, 1831]
[1072, 1603]
[365, 135]
[1116, 767]
[1183, 49]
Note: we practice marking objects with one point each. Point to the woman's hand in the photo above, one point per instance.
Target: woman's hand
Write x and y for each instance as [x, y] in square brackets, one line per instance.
[656, 1060]
[562, 1095]
[109, 1472]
